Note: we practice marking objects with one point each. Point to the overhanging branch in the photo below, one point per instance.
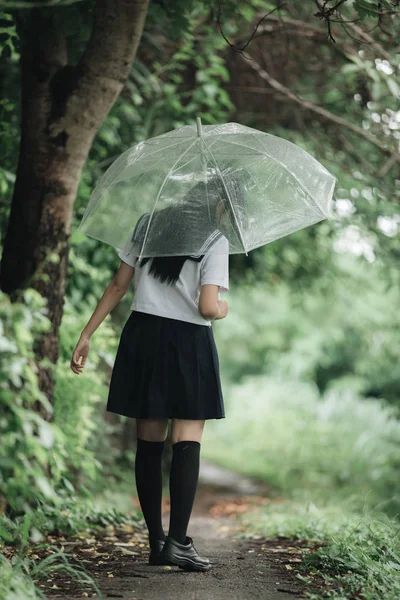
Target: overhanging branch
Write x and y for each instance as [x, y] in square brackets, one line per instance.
[319, 110]
[303, 26]
[116, 33]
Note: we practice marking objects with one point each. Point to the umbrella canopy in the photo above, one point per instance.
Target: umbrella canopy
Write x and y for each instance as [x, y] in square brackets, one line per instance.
[182, 186]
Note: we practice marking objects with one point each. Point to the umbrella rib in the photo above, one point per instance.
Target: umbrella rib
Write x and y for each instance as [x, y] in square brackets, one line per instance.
[263, 152]
[96, 201]
[283, 166]
[276, 206]
[227, 193]
[121, 168]
[259, 245]
[190, 159]
[139, 180]
[159, 194]
[140, 157]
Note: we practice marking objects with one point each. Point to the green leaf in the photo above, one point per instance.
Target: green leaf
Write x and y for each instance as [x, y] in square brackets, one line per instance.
[45, 487]
[363, 11]
[333, 551]
[247, 12]
[210, 89]
[376, 90]
[393, 87]
[25, 529]
[6, 535]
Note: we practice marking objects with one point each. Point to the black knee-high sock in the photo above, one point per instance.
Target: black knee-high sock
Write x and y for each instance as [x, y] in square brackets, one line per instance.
[183, 480]
[148, 473]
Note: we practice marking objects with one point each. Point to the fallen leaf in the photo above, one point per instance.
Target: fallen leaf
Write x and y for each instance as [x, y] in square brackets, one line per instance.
[128, 552]
[89, 551]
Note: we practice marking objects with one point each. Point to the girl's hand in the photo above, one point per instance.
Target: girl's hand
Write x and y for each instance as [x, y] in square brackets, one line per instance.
[81, 350]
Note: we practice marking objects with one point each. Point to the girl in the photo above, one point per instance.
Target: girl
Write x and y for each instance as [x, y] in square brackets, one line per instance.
[167, 367]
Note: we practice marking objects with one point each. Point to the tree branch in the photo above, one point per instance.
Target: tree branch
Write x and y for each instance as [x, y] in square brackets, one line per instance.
[326, 14]
[116, 33]
[386, 167]
[309, 27]
[377, 47]
[275, 84]
[378, 12]
[84, 94]
[333, 14]
[352, 151]
[304, 29]
[234, 46]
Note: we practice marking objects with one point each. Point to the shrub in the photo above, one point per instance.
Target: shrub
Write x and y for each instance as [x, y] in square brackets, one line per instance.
[304, 444]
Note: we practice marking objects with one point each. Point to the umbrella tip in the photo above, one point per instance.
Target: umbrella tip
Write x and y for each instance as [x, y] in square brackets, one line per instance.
[199, 127]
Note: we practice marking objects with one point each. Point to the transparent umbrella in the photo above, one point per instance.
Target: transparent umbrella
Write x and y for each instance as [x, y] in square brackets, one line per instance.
[168, 195]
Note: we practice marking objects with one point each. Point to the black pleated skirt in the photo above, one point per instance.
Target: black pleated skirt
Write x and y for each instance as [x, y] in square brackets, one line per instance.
[165, 369]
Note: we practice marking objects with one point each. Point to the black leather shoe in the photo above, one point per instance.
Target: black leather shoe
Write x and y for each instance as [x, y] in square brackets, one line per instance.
[155, 550]
[184, 556]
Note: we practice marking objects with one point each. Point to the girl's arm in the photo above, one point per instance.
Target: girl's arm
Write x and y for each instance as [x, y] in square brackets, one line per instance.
[114, 292]
[210, 307]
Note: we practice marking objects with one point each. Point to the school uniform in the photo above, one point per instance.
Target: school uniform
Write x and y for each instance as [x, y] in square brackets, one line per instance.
[166, 364]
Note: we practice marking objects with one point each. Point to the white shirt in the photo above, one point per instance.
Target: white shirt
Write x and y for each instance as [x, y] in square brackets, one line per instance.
[180, 300]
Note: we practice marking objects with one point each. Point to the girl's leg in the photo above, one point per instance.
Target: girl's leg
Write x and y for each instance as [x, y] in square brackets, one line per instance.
[186, 437]
[152, 430]
[151, 435]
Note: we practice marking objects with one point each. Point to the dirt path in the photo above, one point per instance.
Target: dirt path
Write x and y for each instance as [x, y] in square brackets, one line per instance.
[241, 569]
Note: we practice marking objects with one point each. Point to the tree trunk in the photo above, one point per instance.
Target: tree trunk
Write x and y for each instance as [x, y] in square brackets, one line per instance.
[63, 107]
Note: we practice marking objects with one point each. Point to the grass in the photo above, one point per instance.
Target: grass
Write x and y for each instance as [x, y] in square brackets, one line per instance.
[307, 446]
[360, 553]
[18, 576]
[21, 572]
[335, 459]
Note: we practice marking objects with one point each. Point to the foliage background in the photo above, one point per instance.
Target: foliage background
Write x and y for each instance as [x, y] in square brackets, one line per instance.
[309, 351]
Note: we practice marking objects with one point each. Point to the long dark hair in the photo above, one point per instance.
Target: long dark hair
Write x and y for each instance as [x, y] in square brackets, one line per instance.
[168, 268]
